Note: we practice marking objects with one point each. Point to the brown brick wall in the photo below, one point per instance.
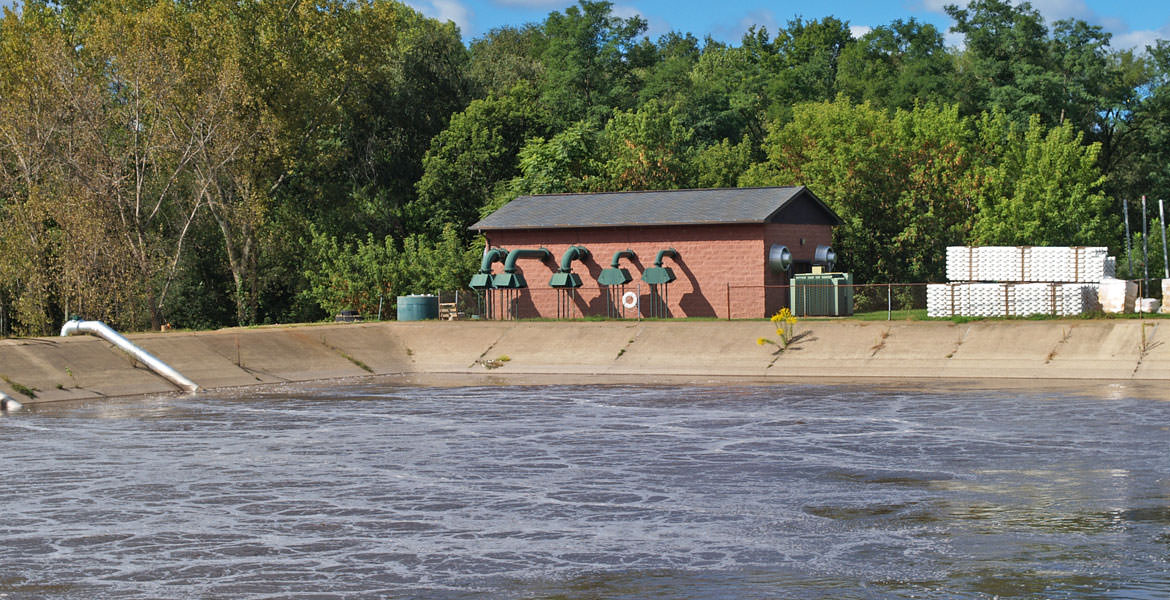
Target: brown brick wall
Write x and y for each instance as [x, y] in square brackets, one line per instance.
[802, 241]
[710, 259]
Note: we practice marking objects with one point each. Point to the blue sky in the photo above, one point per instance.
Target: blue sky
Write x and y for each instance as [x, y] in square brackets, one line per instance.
[1133, 23]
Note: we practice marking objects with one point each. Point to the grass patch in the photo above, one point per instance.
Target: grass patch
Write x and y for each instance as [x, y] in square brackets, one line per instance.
[897, 315]
[20, 388]
[360, 364]
[495, 363]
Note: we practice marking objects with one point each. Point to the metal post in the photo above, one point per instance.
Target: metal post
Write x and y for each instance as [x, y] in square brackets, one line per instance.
[639, 307]
[889, 301]
[1128, 250]
[729, 299]
[1145, 252]
[379, 307]
[1162, 226]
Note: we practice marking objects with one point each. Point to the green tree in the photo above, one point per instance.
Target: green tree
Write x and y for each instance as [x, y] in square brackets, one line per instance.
[506, 57]
[588, 71]
[1007, 63]
[350, 276]
[567, 162]
[902, 183]
[361, 276]
[1042, 187]
[469, 159]
[667, 77]
[646, 149]
[722, 164]
[897, 65]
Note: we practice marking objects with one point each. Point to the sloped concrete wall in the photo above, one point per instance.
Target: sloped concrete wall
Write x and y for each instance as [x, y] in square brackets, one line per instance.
[87, 367]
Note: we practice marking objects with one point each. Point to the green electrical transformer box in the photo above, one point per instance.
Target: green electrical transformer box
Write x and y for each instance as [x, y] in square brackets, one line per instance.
[821, 295]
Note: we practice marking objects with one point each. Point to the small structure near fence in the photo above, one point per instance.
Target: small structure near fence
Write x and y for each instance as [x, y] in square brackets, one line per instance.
[675, 253]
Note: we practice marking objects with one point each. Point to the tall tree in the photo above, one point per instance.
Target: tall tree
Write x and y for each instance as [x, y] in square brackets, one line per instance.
[477, 151]
[897, 65]
[1007, 63]
[588, 71]
[903, 183]
[1036, 173]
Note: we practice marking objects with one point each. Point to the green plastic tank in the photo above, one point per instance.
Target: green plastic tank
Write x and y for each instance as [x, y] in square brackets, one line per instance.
[418, 307]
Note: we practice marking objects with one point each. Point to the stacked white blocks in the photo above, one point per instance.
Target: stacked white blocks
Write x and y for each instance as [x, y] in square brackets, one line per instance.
[1039, 264]
[999, 281]
[1009, 299]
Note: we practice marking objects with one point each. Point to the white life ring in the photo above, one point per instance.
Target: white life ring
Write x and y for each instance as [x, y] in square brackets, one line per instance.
[629, 299]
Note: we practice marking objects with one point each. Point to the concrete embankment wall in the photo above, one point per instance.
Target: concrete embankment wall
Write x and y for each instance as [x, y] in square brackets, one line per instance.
[88, 367]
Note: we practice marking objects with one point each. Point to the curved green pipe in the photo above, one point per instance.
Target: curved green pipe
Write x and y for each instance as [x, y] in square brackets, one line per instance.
[671, 252]
[510, 262]
[573, 253]
[617, 256]
[492, 256]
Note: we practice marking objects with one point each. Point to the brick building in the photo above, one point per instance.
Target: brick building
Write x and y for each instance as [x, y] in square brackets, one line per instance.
[720, 238]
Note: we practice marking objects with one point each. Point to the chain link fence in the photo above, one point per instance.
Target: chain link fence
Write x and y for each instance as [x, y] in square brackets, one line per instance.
[645, 301]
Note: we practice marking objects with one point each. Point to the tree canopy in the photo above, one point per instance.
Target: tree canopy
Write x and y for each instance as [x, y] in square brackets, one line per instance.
[235, 162]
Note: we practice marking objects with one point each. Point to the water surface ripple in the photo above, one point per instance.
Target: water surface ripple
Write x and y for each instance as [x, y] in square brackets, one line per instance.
[370, 490]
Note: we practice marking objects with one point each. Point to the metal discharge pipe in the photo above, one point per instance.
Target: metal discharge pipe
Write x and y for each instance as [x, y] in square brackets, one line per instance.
[8, 403]
[573, 253]
[617, 257]
[671, 252]
[510, 262]
[76, 327]
[492, 256]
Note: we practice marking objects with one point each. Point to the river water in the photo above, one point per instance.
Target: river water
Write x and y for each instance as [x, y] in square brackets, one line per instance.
[371, 490]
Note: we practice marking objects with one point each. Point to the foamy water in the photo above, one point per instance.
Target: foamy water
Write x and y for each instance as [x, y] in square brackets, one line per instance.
[371, 491]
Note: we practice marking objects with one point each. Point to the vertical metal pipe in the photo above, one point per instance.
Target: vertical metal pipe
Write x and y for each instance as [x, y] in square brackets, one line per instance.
[1145, 252]
[639, 292]
[1128, 251]
[889, 301]
[1162, 226]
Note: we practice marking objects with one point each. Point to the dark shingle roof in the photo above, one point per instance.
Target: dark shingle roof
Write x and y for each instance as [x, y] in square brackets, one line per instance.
[671, 207]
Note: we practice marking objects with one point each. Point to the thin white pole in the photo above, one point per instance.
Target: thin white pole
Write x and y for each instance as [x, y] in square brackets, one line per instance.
[1128, 244]
[1162, 223]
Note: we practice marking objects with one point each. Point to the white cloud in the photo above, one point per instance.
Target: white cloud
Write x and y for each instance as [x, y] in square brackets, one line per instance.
[954, 40]
[453, 10]
[859, 30]
[655, 27]
[1138, 40]
[758, 18]
[938, 6]
[446, 10]
[1055, 10]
